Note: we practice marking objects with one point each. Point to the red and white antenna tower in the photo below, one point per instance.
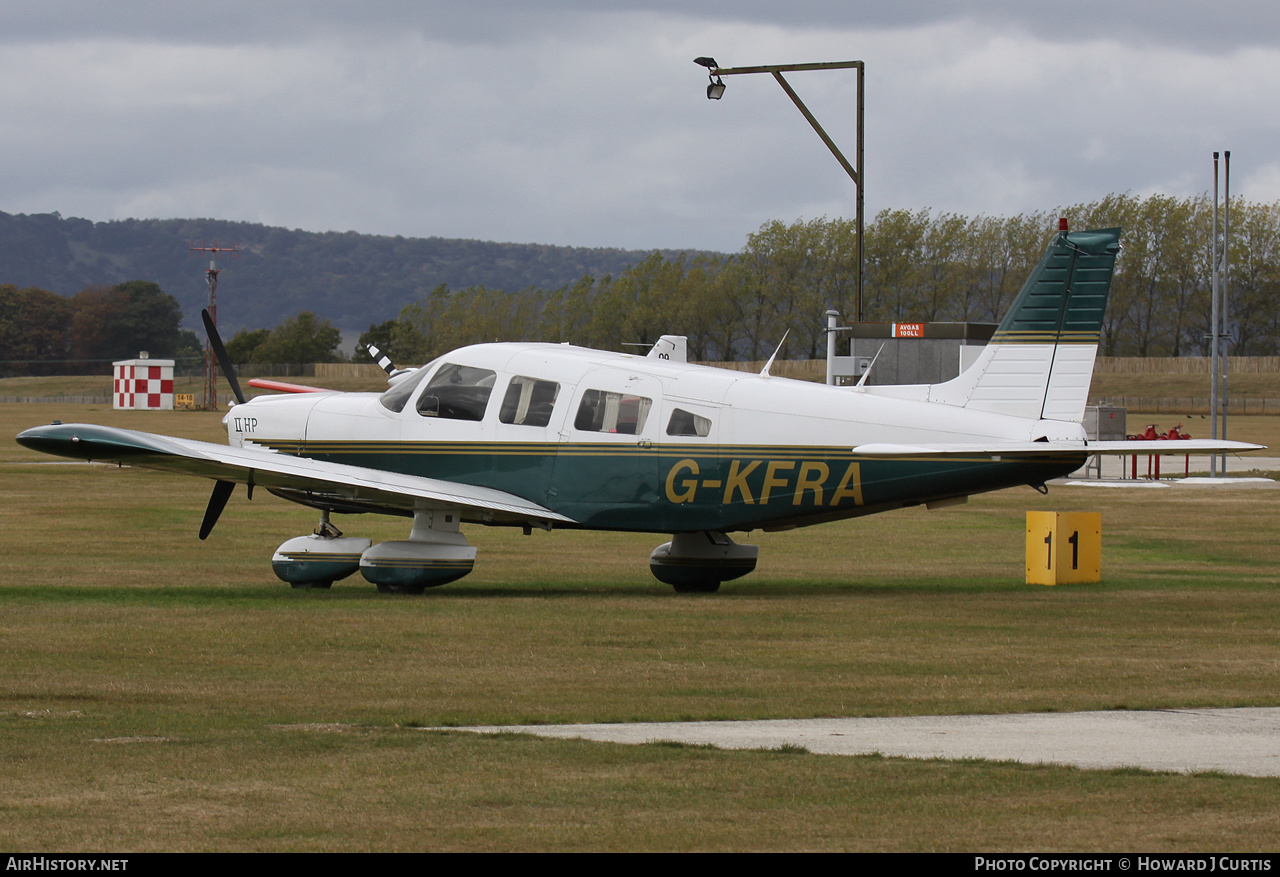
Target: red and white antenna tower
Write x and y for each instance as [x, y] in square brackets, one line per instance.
[210, 360]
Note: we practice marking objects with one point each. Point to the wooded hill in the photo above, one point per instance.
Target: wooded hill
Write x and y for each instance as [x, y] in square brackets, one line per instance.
[351, 279]
[419, 298]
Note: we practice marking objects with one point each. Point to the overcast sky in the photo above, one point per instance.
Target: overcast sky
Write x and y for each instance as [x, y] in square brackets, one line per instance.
[586, 123]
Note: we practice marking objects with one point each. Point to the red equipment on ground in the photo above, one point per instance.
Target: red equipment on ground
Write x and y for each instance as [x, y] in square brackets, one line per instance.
[1153, 461]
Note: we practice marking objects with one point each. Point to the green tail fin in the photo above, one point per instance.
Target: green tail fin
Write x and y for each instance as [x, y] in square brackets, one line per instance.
[1065, 298]
[1039, 363]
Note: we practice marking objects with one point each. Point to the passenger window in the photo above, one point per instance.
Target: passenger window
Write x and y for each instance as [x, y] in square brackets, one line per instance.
[457, 392]
[687, 423]
[602, 411]
[528, 401]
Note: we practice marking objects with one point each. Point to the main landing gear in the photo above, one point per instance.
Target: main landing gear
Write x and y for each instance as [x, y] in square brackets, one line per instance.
[696, 563]
[435, 553]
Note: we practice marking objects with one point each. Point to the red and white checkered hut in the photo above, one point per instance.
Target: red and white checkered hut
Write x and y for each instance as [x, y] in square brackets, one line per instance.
[143, 384]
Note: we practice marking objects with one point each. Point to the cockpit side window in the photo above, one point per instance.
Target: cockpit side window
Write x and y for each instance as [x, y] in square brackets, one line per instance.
[457, 392]
[603, 411]
[528, 401]
[687, 423]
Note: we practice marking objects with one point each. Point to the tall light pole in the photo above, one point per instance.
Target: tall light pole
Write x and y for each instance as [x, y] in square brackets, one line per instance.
[715, 91]
[1219, 332]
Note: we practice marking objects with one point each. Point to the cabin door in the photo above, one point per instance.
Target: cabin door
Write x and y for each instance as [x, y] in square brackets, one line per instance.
[607, 467]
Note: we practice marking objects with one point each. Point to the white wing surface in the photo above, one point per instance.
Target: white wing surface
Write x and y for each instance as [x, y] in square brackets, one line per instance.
[316, 481]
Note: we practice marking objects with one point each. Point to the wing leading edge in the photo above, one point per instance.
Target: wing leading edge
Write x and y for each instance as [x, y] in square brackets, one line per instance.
[317, 482]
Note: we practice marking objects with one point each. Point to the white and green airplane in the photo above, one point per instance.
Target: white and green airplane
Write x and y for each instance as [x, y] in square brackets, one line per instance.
[554, 436]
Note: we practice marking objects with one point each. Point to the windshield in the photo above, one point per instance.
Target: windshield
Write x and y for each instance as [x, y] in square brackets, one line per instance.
[395, 398]
[457, 392]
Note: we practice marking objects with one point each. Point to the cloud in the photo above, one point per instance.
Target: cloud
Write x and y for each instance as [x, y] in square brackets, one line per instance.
[571, 124]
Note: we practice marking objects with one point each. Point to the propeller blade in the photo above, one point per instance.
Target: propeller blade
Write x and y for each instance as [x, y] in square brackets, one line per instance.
[381, 359]
[215, 341]
[217, 502]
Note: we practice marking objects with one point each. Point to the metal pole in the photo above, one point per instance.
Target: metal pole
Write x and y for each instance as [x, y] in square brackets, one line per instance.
[833, 317]
[1213, 323]
[210, 361]
[854, 171]
[862, 70]
[1226, 298]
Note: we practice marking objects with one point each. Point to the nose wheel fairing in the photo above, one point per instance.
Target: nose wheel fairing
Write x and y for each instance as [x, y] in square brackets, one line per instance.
[317, 561]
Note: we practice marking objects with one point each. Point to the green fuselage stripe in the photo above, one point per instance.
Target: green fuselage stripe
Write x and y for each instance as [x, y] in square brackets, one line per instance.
[688, 487]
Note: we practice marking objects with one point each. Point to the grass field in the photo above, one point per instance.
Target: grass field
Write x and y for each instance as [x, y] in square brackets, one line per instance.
[162, 693]
[1106, 385]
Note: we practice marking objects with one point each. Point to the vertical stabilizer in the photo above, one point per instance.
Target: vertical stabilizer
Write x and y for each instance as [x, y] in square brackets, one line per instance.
[1040, 361]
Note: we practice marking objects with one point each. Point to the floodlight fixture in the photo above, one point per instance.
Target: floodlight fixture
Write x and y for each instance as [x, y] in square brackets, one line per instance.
[715, 88]
[715, 91]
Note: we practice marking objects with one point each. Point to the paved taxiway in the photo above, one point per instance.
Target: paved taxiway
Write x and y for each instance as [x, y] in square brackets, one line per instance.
[1237, 741]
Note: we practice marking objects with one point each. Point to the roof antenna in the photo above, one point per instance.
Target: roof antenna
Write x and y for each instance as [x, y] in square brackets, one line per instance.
[866, 374]
[764, 372]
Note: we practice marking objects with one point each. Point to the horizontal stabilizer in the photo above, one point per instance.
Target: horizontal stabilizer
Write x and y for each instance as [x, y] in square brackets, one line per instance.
[1022, 450]
[323, 483]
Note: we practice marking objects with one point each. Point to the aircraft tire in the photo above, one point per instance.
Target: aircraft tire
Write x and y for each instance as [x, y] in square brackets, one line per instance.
[384, 588]
[696, 587]
[314, 586]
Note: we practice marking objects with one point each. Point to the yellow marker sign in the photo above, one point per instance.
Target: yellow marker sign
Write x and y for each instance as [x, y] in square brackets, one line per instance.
[1064, 547]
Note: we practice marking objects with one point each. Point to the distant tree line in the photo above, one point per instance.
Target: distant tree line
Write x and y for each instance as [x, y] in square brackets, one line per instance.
[301, 339]
[919, 266]
[43, 333]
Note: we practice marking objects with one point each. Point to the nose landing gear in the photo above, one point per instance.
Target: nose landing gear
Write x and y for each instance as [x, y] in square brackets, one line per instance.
[319, 560]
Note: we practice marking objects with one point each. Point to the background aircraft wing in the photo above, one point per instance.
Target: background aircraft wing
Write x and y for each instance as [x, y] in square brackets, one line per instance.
[1023, 450]
[314, 481]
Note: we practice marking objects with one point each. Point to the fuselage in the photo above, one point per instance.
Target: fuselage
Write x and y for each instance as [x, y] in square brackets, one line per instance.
[624, 442]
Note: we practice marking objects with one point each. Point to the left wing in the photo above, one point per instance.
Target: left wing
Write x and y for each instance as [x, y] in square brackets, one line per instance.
[314, 481]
